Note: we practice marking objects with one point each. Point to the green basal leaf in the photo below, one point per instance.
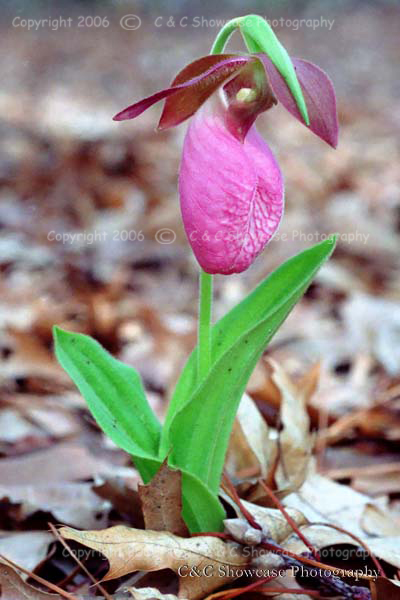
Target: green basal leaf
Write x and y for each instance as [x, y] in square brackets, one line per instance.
[113, 392]
[202, 511]
[116, 399]
[200, 419]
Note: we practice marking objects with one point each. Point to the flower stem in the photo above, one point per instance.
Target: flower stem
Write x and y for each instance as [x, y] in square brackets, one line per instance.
[204, 332]
[224, 35]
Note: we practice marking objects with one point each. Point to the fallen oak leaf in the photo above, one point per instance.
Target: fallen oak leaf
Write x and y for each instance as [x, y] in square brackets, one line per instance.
[161, 501]
[289, 519]
[242, 532]
[12, 587]
[322, 536]
[149, 594]
[378, 484]
[333, 584]
[273, 521]
[295, 439]
[129, 550]
[361, 543]
[123, 496]
[387, 549]
[72, 503]
[321, 499]
[30, 358]
[375, 521]
[13, 547]
[250, 446]
[6, 562]
[58, 464]
[79, 562]
[289, 466]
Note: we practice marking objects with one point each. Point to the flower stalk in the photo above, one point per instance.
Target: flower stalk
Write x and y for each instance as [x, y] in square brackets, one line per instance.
[204, 324]
[223, 36]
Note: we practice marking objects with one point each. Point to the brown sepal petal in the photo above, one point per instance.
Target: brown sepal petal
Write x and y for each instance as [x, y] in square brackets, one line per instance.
[197, 82]
[319, 96]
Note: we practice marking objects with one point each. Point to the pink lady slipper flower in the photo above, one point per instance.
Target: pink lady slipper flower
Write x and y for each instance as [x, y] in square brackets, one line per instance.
[230, 185]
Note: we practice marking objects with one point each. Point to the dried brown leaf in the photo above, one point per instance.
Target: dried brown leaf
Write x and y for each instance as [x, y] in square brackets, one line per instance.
[30, 357]
[378, 484]
[386, 548]
[12, 587]
[72, 503]
[250, 448]
[124, 497]
[243, 532]
[295, 439]
[162, 502]
[321, 499]
[273, 521]
[61, 462]
[322, 536]
[129, 550]
[150, 594]
[13, 546]
[378, 522]
[13, 427]
[373, 324]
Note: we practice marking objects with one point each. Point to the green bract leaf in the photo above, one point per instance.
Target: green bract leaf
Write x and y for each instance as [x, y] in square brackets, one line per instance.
[113, 392]
[199, 419]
